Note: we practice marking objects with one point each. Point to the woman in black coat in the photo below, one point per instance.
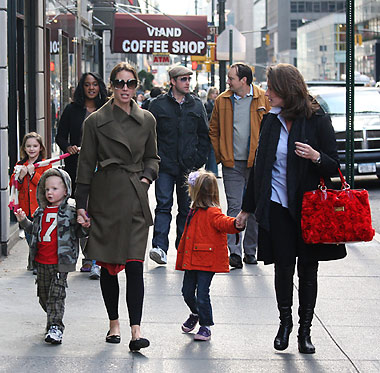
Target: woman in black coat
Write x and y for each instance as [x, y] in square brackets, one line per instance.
[90, 94]
[297, 146]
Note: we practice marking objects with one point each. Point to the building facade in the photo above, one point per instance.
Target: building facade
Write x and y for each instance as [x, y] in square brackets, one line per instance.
[283, 19]
[46, 45]
[321, 52]
[367, 24]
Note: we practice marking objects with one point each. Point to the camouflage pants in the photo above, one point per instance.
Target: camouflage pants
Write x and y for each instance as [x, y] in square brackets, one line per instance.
[51, 290]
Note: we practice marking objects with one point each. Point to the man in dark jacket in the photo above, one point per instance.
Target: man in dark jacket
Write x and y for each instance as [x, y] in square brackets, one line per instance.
[183, 145]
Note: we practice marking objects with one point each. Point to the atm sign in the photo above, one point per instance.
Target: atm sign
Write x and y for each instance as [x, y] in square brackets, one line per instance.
[161, 60]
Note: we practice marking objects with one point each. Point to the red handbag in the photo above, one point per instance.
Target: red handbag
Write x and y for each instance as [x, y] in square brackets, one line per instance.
[336, 216]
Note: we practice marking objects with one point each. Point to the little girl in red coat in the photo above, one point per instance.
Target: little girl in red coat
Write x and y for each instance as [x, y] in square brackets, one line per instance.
[203, 250]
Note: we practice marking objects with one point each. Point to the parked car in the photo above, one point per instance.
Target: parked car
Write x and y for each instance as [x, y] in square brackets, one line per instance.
[366, 124]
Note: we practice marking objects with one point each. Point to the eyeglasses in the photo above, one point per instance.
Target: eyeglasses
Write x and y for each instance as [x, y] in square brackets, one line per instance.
[185, 79]
[119, 84]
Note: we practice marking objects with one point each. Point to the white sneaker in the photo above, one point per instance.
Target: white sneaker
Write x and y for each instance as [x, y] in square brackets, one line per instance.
[158, 255]
[21, 233]
[95, 272]
[54, 335]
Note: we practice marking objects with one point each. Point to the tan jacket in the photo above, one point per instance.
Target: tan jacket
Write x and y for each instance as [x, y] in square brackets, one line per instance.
[221, 126]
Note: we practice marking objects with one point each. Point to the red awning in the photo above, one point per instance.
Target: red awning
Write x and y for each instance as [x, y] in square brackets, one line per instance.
[154, 33]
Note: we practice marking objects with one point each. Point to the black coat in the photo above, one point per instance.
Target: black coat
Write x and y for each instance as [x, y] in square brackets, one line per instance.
[302, 175]
[209, 106]
[70, 133]
[182, 133]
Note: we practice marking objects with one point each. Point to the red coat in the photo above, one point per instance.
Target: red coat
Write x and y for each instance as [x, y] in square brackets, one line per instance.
[27, 190]
[203, 245]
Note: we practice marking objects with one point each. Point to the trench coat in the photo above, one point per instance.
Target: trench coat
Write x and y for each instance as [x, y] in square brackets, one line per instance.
[117, 151]
[302, 175]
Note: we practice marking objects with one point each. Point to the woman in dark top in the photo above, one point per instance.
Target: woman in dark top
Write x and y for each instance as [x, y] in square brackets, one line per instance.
[90, 94]
[297, 146]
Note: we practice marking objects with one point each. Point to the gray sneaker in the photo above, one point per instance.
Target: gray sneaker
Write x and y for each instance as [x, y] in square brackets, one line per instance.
[158, 255]
[54, 335]
[95, 272]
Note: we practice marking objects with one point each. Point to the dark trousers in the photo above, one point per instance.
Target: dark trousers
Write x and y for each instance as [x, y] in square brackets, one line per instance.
[109, 285]
[196, 293]
[51, 291]
[164, 188]
[283, 240]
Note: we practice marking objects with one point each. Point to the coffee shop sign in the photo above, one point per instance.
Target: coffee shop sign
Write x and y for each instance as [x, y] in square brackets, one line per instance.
[152, 33]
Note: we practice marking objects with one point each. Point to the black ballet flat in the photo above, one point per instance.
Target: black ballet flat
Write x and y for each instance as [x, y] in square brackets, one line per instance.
[137, 344]
[112, 338]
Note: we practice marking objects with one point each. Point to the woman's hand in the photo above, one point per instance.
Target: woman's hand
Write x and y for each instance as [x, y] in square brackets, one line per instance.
[20, 215]
[72, 149]
[241, 219]
[83, 219]
[306, 151]
[145, 180]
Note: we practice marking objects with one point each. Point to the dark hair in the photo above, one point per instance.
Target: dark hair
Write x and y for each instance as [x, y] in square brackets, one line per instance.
[243, 71]
[155, 91]
[123, 66]
[79, 96]
[32, 135]
[288, 84]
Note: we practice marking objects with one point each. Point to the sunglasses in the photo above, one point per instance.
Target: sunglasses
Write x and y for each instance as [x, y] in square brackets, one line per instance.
[119, 84]
[185, 79]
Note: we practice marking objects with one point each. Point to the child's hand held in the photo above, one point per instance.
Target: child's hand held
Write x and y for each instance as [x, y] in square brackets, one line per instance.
[20, 215]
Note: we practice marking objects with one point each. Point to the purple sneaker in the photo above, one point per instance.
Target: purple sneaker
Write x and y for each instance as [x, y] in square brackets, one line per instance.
[204, 334]
[190, 323]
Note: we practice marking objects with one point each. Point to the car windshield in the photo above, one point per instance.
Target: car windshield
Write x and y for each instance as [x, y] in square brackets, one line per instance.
[334, 101]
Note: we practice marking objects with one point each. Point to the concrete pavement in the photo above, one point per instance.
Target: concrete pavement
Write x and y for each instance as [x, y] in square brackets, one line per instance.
[345, 331]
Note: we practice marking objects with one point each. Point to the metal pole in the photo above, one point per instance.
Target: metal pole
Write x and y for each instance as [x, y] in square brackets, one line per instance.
[231, 39]
[350, 85]
[222, 64]
[213, 40]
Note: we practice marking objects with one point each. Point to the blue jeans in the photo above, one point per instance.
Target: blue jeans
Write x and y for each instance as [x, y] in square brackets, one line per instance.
[211, 162]
[164, 188]
[199, 282]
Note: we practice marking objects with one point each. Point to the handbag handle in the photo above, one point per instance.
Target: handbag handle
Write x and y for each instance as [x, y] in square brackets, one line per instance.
[345, 185]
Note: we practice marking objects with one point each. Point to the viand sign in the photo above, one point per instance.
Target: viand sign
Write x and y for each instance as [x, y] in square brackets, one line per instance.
[154, 33]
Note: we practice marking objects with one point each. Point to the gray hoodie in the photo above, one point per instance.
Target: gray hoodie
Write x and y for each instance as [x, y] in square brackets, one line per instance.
[68, 230]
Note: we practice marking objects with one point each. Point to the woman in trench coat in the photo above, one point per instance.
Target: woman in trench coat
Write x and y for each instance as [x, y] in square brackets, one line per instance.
[297, 146]
[117, 163]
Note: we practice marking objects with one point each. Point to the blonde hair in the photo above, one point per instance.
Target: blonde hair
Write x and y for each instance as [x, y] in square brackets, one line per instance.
[32, 135]
[203, 189]
[211, 91]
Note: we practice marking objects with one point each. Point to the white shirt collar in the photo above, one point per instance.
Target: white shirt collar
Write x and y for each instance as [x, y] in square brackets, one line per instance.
[236, 97]
[275, 110]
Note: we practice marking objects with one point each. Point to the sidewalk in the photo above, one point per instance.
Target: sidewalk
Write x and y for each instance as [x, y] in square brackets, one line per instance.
[345, 331]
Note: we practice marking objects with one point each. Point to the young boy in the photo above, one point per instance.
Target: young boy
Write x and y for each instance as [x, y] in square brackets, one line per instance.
[54, 246]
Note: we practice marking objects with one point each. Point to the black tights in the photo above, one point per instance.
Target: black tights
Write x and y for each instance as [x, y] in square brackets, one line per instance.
[135, 292]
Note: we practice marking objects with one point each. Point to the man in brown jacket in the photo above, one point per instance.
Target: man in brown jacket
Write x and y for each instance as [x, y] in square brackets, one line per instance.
[234, 133]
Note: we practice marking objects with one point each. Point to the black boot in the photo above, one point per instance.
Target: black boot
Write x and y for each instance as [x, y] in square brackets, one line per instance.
[305, 346]
[281, 342]
[284, 295]
[307, 274]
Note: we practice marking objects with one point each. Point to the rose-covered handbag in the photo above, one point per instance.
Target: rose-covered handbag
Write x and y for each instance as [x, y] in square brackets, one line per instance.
[336, 216]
